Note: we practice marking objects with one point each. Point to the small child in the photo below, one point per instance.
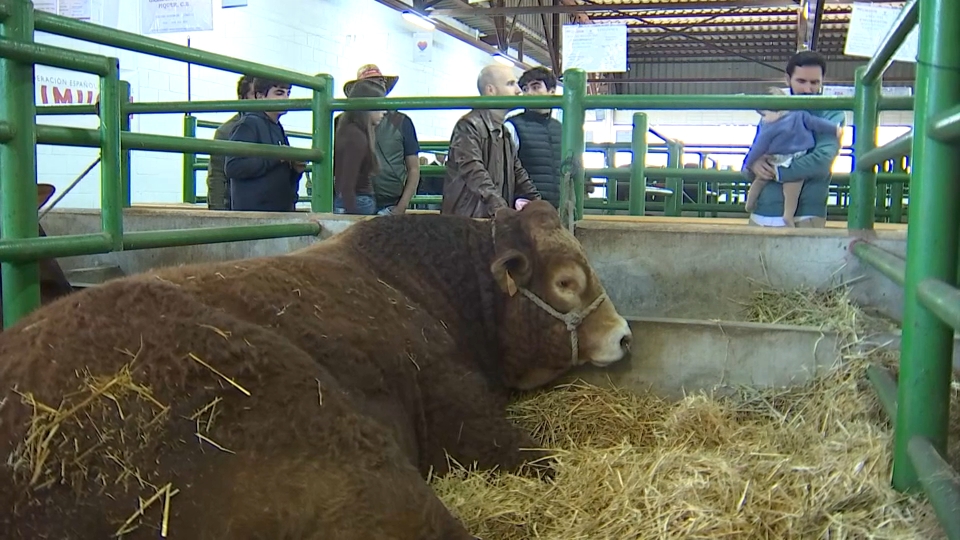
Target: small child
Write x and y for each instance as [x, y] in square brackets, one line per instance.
[784, 135]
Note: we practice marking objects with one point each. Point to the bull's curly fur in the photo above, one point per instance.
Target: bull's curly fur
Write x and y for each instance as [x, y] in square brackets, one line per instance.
[367, 358]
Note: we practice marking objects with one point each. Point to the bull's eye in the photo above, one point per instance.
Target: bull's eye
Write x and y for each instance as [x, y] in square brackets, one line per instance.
[564, 284]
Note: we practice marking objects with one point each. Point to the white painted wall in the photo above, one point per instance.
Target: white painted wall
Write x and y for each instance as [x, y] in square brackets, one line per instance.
[309, 36]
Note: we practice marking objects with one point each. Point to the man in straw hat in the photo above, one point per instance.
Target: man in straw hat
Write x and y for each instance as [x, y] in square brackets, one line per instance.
[396, 146]
[484, 173]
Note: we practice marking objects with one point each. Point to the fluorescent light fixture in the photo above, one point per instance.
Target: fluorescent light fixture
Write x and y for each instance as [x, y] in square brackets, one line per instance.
[503, 58]
[419, 20]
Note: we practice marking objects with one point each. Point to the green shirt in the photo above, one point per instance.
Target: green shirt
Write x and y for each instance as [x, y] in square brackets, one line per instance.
[813, 168]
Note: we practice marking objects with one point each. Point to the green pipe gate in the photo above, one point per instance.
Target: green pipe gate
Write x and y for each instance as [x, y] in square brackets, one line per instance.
[919, 401]
[919, 404]
[670, 196]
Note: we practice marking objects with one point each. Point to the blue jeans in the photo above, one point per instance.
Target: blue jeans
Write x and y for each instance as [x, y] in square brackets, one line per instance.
[366, 205]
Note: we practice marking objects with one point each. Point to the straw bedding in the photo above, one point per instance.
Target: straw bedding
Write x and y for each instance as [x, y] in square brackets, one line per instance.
[99, 439]
[805, 462]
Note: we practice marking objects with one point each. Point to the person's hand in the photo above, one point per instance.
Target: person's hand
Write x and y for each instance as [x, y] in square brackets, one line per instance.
[298, 166]
[763, 169]
[398, 210]
[520, 203]
[839, 131]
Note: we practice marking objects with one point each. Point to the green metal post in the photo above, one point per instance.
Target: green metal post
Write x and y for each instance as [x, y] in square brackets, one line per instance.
[189, 172]
[934, 217]
[638, 183]
[946, 126]
[863, 184]
[940, 482]
[321, 199]
[111, 188]
[610, 160]
[886, 389]
[675, 184]
[572, 143]
[126, 197]
[20, 281]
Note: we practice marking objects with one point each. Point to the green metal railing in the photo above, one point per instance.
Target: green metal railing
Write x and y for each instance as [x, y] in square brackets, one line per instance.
[673, 200]
[919, 402]
[197, 161]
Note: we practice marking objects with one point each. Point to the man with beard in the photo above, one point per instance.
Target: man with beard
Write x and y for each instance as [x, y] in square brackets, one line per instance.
[804, 74]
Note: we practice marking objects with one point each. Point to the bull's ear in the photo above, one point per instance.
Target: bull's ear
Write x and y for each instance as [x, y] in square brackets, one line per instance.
[511, 269]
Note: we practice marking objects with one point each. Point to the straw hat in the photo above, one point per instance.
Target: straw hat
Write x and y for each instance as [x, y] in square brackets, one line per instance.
[371, 71]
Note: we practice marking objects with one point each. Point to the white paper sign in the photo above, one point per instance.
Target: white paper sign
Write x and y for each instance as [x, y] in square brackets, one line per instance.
[848, 91]
[595, 48]
[75, 9]
[423, 47]
[165, 16]
[50, 6]
[869, 25]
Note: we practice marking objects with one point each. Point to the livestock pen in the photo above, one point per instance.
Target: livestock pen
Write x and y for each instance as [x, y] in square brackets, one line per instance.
[918, 402]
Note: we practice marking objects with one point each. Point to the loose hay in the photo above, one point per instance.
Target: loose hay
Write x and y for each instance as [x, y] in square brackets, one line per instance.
[88, 430]
[806, 462]
[826, 309]
[96, 441]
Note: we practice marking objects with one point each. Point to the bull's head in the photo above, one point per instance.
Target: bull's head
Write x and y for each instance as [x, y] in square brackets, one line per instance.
[556, 313]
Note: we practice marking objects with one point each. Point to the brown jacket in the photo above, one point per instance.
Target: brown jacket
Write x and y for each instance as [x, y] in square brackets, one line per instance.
[483, 171]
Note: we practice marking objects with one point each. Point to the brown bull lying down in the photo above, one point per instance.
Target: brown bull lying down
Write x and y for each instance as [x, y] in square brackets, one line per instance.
[304, 396]
[53, 283]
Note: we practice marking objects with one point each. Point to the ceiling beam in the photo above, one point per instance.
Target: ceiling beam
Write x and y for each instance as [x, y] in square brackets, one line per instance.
[630, 8]
[809, 20]
[729, 37]
[452, 31]
[789, 26]
[553, 45]
[785, 11]
[732, 43]
[785, 34]
[740, 16]
[815, 25]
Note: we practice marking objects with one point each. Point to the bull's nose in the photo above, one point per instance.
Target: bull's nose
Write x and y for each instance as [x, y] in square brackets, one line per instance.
[626, 341]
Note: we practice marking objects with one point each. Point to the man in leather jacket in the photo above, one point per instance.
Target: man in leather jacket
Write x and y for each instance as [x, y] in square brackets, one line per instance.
[484, 173]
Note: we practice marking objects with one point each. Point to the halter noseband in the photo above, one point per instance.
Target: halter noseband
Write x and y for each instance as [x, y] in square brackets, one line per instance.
[571, 320]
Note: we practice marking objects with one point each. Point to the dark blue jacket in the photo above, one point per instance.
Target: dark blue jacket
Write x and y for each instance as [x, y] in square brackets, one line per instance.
[261, 184]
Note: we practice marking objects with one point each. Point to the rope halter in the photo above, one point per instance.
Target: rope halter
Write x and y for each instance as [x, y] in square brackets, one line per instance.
[571, 320]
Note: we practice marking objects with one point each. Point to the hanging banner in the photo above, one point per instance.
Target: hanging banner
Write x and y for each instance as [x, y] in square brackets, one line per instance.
[168, 16]
[55, 86]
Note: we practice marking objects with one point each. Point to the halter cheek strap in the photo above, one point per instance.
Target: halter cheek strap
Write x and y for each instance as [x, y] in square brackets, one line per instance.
[571, 320]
